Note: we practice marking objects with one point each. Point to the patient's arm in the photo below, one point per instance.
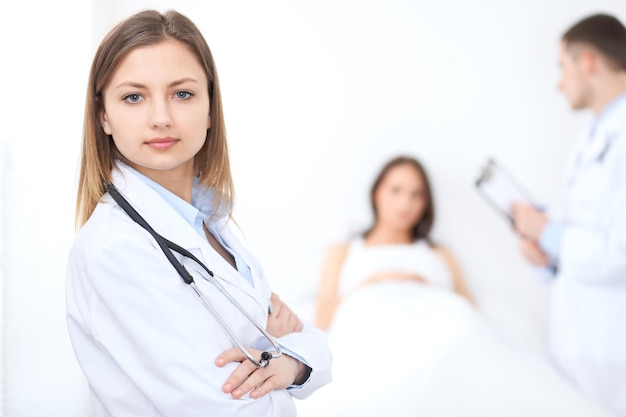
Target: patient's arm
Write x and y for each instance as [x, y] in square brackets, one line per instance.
[460, 287]
[328, 289]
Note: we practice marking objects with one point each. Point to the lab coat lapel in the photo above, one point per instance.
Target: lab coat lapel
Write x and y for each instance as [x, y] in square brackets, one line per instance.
[170, 224]
[605, 134]
[235, 241]
[597, 149]
[223, 270]
[162, 217]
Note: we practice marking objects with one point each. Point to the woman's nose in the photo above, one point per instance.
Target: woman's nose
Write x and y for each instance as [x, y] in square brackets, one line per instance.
[160, 114]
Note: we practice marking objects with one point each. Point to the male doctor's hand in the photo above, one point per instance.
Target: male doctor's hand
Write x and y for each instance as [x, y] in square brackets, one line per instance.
[533, 253]
[528, 221]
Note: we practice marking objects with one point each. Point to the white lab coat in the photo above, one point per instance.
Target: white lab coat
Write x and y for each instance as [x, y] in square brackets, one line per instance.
[144, 341]
[588, 320]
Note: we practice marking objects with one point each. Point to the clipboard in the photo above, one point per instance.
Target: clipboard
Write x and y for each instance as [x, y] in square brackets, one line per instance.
[500, 189]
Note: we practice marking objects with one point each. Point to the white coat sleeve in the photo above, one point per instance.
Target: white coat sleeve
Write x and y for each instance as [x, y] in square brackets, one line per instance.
[311, 344]
[126, 340]
[599, 254]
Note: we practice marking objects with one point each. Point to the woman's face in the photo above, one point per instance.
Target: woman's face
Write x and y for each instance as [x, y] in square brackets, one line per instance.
[156, 107]
[401, 197]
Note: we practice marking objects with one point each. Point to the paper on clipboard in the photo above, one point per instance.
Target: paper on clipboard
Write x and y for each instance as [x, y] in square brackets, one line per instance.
[500, 189]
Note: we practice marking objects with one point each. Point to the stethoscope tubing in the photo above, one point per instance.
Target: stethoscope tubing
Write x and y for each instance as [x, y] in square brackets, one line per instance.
[168, 247]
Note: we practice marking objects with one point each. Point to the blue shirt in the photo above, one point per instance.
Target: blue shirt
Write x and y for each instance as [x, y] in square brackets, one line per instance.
[551, 237]
[197, 214]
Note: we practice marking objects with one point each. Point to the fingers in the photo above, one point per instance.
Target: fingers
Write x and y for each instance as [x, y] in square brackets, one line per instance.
[266, 387]
[528, 221]
[287, 323]
[277, 305]
[516, 206]
[228, 356]
[521, 214]
[279, 374]
[294, 323]
[518, 211]
[282, 320]
[533, 253]
[275, 299]
[243, 379]
[259, 383]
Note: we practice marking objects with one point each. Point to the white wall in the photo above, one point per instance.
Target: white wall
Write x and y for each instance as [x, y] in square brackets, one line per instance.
[317, 96]
[46, 47]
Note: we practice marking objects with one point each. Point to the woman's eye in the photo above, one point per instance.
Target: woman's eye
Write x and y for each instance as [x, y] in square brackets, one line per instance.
[183, 95]
[132, 98]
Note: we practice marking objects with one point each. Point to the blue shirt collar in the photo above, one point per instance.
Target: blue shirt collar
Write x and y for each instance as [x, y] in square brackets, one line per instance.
[198, 212]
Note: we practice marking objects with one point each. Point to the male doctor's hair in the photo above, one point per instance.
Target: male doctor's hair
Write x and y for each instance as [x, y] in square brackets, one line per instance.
[421, 229]
[603, 32]
[99, 153]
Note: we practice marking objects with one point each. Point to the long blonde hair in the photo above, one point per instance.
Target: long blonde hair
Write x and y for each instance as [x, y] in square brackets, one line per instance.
[99, 154]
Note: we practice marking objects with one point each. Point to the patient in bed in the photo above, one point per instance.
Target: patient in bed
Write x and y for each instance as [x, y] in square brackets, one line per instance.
[407, 336]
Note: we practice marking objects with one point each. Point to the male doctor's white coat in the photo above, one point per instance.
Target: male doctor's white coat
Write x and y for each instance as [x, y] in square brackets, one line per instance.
[143, 339]
[588, 317]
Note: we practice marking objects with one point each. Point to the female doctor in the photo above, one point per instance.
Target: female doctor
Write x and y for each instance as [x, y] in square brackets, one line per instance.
[148, 342]
[585, 242]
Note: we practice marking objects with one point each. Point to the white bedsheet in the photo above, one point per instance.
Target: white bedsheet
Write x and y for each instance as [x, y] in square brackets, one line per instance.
[404, 349]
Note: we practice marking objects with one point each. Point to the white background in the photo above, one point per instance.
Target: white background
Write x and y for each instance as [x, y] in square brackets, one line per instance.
[318, 95]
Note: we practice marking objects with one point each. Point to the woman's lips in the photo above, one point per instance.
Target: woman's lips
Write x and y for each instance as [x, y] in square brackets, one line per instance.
[161, 143]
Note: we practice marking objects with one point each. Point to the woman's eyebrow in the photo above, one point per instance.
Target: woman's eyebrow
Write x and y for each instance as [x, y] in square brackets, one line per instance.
[182, 81]
[172, 84]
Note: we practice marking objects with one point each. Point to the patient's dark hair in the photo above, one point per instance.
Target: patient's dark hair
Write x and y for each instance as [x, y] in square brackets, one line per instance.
[421, 230]
[603, 32]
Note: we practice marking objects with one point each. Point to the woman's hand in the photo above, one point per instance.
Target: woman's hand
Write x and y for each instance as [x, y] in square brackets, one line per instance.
[282, 320]
[279, 374]
[394, 276]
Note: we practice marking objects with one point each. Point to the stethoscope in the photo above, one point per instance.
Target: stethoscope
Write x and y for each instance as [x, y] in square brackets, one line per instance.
[579, 163]
[168, 247]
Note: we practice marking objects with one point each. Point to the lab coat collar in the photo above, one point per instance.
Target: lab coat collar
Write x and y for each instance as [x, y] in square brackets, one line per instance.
[170, 224]
[604, 132]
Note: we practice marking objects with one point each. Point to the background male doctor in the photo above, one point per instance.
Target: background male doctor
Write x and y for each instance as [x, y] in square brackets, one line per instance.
[584, 244]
